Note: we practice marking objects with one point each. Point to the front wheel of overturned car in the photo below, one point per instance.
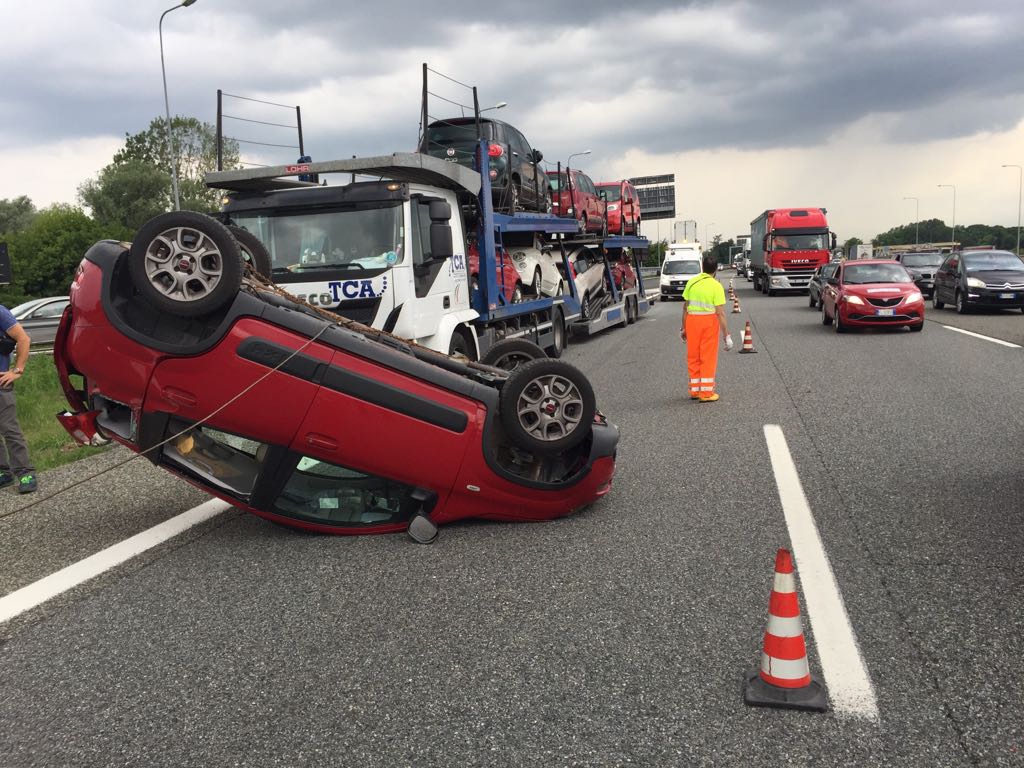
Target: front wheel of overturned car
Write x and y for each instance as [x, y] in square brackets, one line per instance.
[509, 354]
[547, 406]
[185, 263]
[255, 255]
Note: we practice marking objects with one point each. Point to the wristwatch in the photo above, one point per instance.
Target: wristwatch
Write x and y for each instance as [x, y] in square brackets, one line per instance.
[17, 370]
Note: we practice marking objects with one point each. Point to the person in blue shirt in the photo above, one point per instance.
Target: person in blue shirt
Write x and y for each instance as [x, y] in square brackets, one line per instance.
[15, 465]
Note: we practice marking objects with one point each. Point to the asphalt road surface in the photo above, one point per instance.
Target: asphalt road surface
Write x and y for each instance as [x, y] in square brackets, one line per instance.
[618, 636]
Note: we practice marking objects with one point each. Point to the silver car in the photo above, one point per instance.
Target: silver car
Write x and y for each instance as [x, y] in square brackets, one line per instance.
[40, 318]
[590, 270]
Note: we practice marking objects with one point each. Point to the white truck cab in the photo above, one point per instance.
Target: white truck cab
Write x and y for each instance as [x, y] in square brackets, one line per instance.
[682, 262]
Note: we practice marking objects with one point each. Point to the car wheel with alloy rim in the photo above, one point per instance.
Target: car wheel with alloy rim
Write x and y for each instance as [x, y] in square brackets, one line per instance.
[935, 301]
[961, 303]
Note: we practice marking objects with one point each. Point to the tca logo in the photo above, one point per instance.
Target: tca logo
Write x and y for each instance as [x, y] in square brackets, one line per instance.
[458, 263]
[355, 289]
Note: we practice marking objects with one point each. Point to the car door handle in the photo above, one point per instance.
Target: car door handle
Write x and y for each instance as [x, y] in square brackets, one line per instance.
[321, 441]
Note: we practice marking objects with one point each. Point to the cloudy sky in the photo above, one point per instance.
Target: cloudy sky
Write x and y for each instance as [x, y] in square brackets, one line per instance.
[851, 106]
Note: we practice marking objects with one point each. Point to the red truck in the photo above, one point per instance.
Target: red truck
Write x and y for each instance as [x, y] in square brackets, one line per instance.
[786, 246]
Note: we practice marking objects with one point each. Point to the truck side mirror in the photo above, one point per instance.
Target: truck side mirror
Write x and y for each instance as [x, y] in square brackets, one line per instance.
[440, 230]
[833, 241]
[440, 211]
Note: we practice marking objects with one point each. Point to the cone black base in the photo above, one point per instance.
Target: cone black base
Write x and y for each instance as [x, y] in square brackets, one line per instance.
[748, 351]
[810, 698]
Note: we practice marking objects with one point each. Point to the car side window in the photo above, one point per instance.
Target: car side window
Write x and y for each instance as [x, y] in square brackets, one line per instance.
[53, 309]
[518, 143]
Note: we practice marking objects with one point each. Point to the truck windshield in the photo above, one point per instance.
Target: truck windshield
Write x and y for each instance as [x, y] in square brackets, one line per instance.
[354, 238]
[804, 242]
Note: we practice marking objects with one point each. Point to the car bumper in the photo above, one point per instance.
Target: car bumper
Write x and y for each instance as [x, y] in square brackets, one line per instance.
[673, 290]
[911, 314]
[1013, 299]
[926, 287]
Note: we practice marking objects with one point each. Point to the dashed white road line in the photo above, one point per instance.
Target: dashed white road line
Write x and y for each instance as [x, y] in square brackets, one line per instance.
[39, 592]
[979, 336]
[846, 676]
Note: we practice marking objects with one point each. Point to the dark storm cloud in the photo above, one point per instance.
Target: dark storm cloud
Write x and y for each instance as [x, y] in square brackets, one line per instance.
[761, 75]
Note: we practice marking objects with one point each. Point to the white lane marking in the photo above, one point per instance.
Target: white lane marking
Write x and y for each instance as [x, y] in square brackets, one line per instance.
[979, 336]
[846, 676]
[48, 587]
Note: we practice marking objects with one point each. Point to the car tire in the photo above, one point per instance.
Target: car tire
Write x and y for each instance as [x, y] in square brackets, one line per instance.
[535, 286]
[837, 322]
[961, 303]
[517, 293]
[585, 306]
[509, 354]
[662, 298]
[558, 335]
[825, 319]
[547, 205]
[547, 406]
[514, 196]
[811, 301]
[935, 301]
[255, 256]
[917, 328]
[201, 242]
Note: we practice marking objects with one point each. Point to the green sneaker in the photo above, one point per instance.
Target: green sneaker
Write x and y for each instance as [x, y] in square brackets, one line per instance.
[6, 478]
[27, 484]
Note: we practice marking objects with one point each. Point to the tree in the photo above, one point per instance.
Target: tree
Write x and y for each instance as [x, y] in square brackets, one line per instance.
[937, 231]
[196, 143]
[16, 214]
[127, 194]
[851, 241]
[45, 255]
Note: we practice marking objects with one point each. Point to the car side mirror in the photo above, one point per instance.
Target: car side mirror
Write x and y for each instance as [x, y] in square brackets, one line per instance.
[537, 156]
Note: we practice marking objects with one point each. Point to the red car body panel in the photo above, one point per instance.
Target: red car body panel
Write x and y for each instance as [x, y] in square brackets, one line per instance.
[233, 390]
[623, 207]
[505, 271]
[875, 297]
[580, 203]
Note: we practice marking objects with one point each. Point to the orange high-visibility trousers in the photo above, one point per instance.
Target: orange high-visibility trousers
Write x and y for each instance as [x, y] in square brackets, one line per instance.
[702, 352]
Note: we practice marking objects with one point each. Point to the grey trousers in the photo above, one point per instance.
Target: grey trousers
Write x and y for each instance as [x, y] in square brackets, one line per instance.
[13, 450]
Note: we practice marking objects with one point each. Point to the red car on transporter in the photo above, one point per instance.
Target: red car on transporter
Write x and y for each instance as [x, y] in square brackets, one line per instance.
[623, 207]
[871, 293]
[307, 419]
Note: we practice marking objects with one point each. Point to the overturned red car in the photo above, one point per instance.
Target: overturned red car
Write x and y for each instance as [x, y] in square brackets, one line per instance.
[173, 348]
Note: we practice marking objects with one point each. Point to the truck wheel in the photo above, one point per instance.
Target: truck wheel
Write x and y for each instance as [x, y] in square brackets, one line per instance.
[255, 256]
[547, 406]
[459, 345]
[558, 337]
[509, 354]
[185, 263]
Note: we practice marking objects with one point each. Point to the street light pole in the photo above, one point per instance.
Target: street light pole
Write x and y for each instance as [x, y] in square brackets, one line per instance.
[953, 187]
[167, 104]
[917, 219]
[576, 154]
[1020, 188]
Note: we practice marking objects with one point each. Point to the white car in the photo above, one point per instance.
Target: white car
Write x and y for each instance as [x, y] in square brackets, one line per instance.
[590, 274]
[537, 265]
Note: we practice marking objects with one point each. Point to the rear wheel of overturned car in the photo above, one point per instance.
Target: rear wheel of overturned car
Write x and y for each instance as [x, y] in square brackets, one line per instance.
[185, 263]
[509, 354]
[255, 255]
[547, 406]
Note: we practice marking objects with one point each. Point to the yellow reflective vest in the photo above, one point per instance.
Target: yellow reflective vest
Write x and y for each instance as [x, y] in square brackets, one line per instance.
[702, 294]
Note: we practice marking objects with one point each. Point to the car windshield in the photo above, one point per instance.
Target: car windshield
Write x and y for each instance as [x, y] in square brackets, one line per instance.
[556, 180]
[354, 238]
[805, 242]
[992, 261]
[611, 194]
[681, 267]
[862, 274]
[922, 259]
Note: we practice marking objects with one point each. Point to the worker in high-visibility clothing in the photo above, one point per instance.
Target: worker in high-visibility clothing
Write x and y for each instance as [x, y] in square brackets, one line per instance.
[703, 319]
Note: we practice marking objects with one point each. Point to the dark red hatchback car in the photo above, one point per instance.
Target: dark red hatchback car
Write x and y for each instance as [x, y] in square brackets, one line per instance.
[623, 207]
[574, 195]
[172, 349]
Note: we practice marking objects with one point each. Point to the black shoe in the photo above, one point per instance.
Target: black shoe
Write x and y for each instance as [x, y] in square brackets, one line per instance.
[6, 478]
[27, 483]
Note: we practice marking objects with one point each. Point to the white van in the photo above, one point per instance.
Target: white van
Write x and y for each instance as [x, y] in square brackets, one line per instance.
[682, 261]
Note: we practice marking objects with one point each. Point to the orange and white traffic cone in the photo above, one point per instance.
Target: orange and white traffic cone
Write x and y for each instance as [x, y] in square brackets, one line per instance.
[784, 678]
[748, 340]
[736, 305]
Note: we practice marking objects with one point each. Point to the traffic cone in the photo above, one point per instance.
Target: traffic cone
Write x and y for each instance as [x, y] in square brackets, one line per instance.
[784, 679]
[736, 305]
[748, 341]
